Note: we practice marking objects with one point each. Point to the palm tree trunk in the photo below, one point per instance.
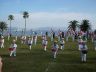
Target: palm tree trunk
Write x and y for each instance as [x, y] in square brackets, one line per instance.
[10, 27]
[25, 26]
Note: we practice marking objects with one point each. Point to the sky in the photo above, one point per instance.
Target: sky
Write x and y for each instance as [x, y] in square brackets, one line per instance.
[48, 13]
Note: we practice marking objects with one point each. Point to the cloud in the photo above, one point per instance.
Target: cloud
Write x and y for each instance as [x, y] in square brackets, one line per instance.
[51, 19]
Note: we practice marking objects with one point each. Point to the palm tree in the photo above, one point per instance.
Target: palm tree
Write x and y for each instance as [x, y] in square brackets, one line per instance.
[25, 16]
[10, 18]
[3, 26]
[85, 26]
[73, 25]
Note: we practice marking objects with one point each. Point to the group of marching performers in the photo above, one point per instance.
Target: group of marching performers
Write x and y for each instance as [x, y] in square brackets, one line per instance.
[59, 43]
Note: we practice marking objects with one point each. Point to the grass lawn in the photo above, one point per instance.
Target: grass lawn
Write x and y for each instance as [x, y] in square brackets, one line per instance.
[36, 60]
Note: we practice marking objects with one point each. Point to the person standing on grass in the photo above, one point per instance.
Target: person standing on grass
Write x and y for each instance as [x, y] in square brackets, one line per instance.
[13, 48]
[55, 47]
[62, 42]
[1, 64]
[2, 42]
[8, 36]
[59, 36]
[52, 36]
[80, 41]
[83, 51]
[35, 39]
[24, 39]
[21, 39]
[44, 42]
[94, 41]
[73, 35]
[16, 35]
[92, 36]
[67, 35]
[30, 41]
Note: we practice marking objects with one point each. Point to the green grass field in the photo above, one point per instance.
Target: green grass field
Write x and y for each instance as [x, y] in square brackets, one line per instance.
[36, 60]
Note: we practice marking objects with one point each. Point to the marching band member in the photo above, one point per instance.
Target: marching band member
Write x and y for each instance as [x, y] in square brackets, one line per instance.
[2, 42]
[83, 51]
[1, 64]
[13, 48]
[35, 39]
[30, 41]
[44, 42]
[55, 47]
[62, 42]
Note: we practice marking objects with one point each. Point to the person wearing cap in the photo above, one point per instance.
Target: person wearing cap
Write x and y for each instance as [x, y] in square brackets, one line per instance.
[35, 39]
[62, 42]
[13, 48]
[2, 42]
[30, 41]
[83, 51]
[55, 47]
[1, 64]
[44, 42]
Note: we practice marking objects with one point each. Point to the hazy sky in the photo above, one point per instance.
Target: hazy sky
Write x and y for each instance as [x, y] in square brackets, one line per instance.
[48, 13]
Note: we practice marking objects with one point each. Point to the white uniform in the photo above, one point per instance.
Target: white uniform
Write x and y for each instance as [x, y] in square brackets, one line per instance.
[30, 41]
[55, 49]
[13, 46]
[1, 64]
[62, 44]
[35, 39]
[44, 42]
[2, 42]
[15, 37]
[8, 36]
[83, 51]
[23, 39]
[79, 43]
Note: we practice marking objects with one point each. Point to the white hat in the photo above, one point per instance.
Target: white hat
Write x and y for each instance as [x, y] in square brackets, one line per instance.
[14, 40]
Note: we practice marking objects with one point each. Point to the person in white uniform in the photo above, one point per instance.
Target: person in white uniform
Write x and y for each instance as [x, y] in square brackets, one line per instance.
[35, 39]
[83, 52]
[2, 42]
[1, 64]
[55, 47]
[8, 36]
[80, 41]
[62, 42]
[30, 41]
[13, 48]
[44, 42]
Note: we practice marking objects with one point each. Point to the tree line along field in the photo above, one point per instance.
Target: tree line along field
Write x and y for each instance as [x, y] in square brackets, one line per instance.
[37, 60]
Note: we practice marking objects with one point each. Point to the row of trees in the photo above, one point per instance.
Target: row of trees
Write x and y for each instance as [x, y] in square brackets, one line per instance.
[3, 25]
[25, 16]
[84, 26]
